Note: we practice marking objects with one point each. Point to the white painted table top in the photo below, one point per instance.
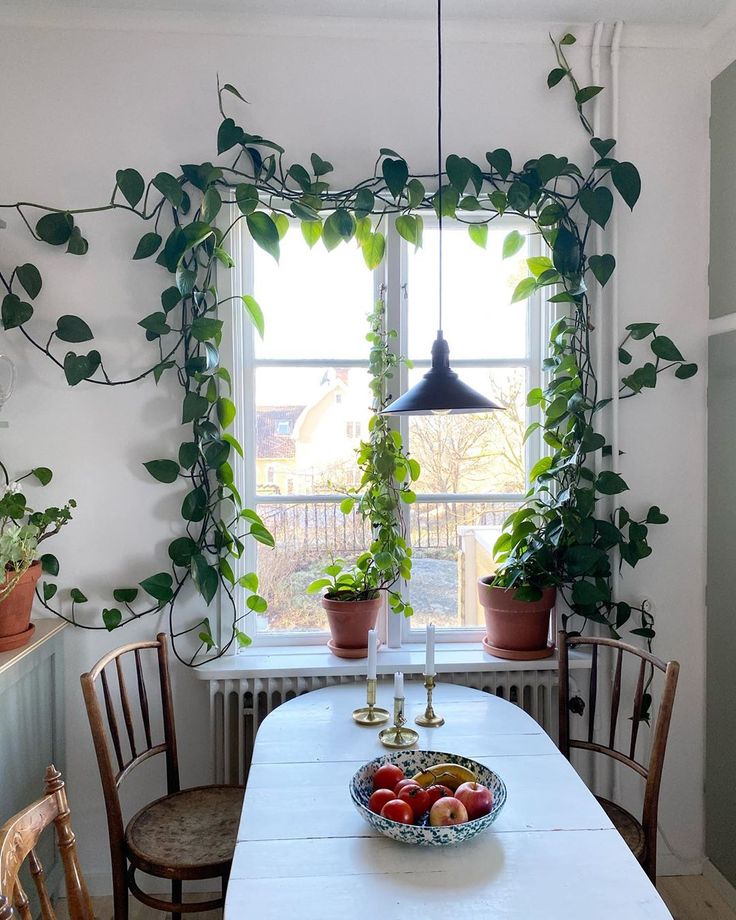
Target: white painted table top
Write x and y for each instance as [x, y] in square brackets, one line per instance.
[304, 852]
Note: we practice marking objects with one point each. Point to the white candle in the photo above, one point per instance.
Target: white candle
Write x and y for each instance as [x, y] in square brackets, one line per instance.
[429, 669]
[372, 650]
[398, 685]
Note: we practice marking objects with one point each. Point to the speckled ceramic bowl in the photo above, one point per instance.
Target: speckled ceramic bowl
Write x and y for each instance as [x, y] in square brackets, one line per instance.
[412, 762]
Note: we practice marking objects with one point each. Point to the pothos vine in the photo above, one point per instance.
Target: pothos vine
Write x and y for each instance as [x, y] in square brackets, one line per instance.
[555, 536]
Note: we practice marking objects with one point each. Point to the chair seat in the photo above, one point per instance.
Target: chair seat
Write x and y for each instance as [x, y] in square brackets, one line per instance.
[186, 835]
[627, 825]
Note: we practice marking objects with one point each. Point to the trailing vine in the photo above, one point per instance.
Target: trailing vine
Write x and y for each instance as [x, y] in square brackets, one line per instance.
[184, 212]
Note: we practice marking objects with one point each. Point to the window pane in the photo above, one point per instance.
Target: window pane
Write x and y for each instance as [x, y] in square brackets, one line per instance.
[309, 422]
[308, 536]
[474, 453]
[315, 302]
[452, 544]
[479, 319]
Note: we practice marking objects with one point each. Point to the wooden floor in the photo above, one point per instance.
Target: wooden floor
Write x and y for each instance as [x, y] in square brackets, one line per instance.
[689, 897]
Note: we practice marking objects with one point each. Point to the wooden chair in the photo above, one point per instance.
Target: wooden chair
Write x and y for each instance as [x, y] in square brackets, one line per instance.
[187, 834]
[641, 836]
[18, 839]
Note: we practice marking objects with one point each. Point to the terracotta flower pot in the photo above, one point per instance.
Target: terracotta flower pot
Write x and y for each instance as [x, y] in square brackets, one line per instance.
[516, 629]
[15, 609]
[349, 624]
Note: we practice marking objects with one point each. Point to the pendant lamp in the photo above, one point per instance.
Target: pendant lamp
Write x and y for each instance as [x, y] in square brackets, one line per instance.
[440, 391]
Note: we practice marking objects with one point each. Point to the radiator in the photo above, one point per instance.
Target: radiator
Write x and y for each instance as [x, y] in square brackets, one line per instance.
[238, 706]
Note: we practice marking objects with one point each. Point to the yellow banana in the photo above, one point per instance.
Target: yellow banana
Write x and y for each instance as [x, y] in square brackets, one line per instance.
[451, 775]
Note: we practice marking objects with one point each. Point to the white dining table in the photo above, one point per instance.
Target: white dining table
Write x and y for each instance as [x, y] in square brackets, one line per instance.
[303, 851]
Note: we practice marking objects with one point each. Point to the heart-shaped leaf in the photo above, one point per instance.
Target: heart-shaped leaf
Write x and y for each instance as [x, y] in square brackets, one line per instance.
[373, 249]
[158, 586]
[500, 160]
[15, 311]
[77, 245]
[55, 228]
[125, 595]
[602, 267]
[228, 135]
[169, 188]
[163, 470]
[147, 245]
[555, 75]
[597, 204]
[195, 406]
[194, 505]
[111, 617]
[512, 243]
[602, 147]
[627, 181]
[685, 371]
[320, 167]
[72, 329]
[43, 474]
[131, 184]
[458, 171]
[80, 367]
[395, 175]
[264, 232]
[478, 233]
[30, 277]
[663, 347]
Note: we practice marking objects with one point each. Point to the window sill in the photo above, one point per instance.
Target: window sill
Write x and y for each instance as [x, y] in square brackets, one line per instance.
[315, 660]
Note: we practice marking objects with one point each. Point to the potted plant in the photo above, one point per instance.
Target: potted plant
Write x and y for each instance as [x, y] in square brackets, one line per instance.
[22, 530]
[353, 594]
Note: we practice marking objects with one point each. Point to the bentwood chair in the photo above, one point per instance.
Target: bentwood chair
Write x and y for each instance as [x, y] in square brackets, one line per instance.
[185, 835]
[640, 835]
[18, 840]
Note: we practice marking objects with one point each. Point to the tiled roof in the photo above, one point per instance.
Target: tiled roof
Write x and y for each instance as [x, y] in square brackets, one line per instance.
[269, 444]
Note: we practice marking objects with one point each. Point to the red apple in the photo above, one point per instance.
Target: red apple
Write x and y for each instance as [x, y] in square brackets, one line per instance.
[398, 811]
[438, 791]
[417, 798]
[447, 811]
[477, 799]
[379, 799]
[404, 782]
[387, 776]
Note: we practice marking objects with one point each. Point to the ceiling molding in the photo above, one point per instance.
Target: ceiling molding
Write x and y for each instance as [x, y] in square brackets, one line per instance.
[527, 32]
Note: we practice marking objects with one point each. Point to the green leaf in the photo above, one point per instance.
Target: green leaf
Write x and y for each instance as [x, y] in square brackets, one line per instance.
[246, 197]
[512, 243]
[15, 311]
[568, 39]
[539, 468]
[602, 147]
[228, 135]
[225, 411]
[587, 93]
[264, 232]
[181, 551]
[538, 265]
[49, 590]
[602, 267]
[320, 167]
[312, 232]
[519, 195]
[663, 347]
[256, 603]
[500, 160]
[43, 474]
[188, 453]
[211, 204]
[597, 204]
[341, 224]
[478, 233]
[231, 89]
[30, 278]
[185, 280]
[262, 535]
[624, 356]
[158, 586]
[55, 228]
[303, 212]
[194, 505]
[249, 581]
[195, 406]
[147, 245]
[131, 184]
[204, 577]
[204, 328]
[445, 201]
[242, 639]
[373, 249]
[609, 483]
[655, 516]
[524, 289]
[406, 227]
[641, 330]
[395, 175]
[155, 324]
[125, 595]
[80, 367]
[170, 298]
[163, 470]
[566, 252]
[554, 76]
[684, 371]
[49, 564]
[169, 188]
[77, 596]
[111, 617]
[458, 171]
[77, 244]
[254, 312]
[627, 181]
[585, 592]
[73, 329]
[415, 192]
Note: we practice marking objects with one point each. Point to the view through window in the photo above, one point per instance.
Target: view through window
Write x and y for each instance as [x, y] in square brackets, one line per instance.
[312, 407]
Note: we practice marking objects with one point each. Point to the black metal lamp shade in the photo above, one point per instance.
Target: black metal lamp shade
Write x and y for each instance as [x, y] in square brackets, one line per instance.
[440, 391]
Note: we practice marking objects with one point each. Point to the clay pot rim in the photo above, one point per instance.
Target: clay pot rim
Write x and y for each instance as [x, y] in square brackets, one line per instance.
[32, 565]
[355, 600]
[486, 582]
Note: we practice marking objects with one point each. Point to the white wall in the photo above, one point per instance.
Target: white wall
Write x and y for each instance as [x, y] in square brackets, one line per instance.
[80, 99]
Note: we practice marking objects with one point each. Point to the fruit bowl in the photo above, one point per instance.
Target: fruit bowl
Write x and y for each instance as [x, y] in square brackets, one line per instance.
[413, 762]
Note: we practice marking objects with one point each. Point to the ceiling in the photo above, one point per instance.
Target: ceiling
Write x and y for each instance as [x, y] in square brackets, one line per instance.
[697, 13]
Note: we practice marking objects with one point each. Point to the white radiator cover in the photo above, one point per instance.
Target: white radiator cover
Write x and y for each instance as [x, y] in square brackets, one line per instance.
[239, 705]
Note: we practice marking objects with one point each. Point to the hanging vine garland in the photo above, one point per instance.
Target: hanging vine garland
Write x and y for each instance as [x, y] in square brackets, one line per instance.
[555, 536]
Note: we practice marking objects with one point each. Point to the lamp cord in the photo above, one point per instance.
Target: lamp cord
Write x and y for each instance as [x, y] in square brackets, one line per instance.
[439, 145]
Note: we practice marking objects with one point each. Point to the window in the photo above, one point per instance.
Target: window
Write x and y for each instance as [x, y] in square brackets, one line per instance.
[305, 398]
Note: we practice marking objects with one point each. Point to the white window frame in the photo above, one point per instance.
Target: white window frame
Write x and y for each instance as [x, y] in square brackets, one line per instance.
[238, 349]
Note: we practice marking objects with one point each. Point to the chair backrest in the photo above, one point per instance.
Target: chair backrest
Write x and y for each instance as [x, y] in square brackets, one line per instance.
[128, 747]
[651, 770]
[18, 839]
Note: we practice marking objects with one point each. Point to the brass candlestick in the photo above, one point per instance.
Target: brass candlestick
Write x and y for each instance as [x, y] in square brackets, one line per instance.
[398, 736]
[370, 714]
[430, 719]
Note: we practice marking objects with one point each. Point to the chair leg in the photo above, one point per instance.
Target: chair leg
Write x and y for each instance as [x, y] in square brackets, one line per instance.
[176, 895]
[119, 889]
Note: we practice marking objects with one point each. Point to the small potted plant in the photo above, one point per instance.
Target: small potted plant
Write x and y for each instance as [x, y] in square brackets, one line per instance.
[354, 593]
[22, 530]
